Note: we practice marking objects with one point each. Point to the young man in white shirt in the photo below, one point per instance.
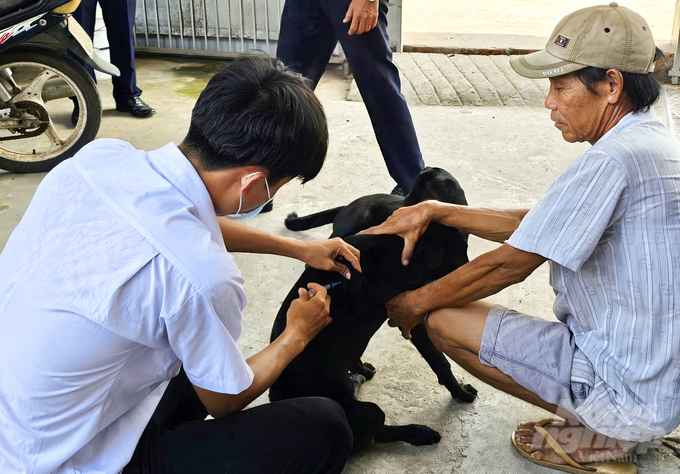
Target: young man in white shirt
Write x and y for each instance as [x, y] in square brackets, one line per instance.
[120, 274]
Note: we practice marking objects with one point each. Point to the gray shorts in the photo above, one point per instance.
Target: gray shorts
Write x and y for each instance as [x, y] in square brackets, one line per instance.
[536, 353]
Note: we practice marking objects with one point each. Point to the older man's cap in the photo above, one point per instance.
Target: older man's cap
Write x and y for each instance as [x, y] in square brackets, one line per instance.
[605, 36]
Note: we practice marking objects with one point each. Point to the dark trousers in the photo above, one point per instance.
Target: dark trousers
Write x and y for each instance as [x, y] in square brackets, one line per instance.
[302, 435]
[310, 29]
[119, 17]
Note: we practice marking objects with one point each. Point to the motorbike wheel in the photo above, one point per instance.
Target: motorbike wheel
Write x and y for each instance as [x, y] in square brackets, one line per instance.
[48, 79]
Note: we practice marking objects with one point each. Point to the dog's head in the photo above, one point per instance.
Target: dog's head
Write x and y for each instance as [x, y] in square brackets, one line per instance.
[439, 251]
[438, 184]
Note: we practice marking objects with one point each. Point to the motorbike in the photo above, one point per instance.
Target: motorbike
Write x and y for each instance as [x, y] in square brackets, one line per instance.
[40, 86]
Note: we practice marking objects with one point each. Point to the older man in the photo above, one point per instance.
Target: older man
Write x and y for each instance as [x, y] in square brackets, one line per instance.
[608, 226]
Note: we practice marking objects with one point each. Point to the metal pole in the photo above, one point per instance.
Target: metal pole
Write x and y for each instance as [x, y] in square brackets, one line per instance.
[240, 13]
[181, 24]
[205, 26]
[146, 23]
[266, 23]
[254, 26]
[217, 25]
[229, 20]
[193, 25]
[167, 13]
[158, 25]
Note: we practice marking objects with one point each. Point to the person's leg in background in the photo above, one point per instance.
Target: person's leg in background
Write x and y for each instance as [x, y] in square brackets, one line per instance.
[304, 23]
[370, 58]
[306, 38]
[119, 18]
[85, 16]
[309, 435]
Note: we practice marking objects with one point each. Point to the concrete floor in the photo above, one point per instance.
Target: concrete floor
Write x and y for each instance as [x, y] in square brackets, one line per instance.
[503, 157]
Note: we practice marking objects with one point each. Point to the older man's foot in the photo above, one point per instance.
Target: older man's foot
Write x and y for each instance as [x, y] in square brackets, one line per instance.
[136, 107]
[581, 444]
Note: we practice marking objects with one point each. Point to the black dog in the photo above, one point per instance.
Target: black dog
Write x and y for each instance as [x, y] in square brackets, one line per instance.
[330, 365]
[368, 211]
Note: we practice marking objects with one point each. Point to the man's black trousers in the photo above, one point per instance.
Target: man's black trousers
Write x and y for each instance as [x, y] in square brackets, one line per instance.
[310, 30]
[119, 18]
[302, 435]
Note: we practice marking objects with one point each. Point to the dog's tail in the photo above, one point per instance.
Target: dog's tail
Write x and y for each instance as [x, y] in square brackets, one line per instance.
[294, 222]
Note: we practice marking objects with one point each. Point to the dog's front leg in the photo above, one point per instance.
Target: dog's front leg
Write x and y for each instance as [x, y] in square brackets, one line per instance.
[440, 365]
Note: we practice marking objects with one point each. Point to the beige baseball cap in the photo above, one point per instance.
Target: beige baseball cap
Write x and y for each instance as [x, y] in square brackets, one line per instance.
[604, 36]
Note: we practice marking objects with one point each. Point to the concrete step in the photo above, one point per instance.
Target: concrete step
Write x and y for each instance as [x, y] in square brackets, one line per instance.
[487, 81]
[463, 80]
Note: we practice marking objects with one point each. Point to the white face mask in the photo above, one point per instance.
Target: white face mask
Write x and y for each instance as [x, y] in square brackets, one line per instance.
[253, 212]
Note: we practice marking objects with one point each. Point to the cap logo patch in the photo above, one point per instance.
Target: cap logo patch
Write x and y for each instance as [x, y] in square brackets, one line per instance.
[562, 41]
[550, 72]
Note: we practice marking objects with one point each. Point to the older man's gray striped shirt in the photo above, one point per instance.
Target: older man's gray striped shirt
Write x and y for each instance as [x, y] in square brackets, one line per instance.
[610, 226]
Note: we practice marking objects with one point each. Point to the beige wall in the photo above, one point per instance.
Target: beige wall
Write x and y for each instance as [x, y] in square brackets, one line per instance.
[676, 25]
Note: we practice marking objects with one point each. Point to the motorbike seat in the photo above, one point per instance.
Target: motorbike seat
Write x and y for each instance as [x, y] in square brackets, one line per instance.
[11, 6]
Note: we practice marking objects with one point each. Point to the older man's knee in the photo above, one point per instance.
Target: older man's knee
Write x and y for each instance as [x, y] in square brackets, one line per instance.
[451, 329]
[436, 328]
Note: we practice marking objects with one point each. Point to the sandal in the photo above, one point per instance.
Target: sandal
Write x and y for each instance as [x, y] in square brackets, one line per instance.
[610, 467]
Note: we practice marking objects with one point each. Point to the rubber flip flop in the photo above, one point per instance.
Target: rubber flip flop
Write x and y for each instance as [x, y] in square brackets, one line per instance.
[571, 466]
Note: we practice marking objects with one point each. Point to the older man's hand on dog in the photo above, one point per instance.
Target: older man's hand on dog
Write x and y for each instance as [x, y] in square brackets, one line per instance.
[402, 314]
[410, 223]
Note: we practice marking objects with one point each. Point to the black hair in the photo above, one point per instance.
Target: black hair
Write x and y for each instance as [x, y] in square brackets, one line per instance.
[259, 113]
[642, 89]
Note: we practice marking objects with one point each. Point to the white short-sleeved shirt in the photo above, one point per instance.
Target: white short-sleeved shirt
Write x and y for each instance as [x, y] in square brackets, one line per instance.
[116, 275]
[610, 226]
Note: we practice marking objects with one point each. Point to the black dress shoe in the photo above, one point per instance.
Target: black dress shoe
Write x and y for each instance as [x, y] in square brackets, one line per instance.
[136, 107]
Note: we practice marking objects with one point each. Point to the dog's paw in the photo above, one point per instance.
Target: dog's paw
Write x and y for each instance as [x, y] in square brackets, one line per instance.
[463, 393]
[417, 435]
[470, 389]
[422, 435]
[362, 368]
[368, 370]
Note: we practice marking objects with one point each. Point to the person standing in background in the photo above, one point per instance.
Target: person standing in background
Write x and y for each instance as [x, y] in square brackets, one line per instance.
[361, 28]
[119, 17]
